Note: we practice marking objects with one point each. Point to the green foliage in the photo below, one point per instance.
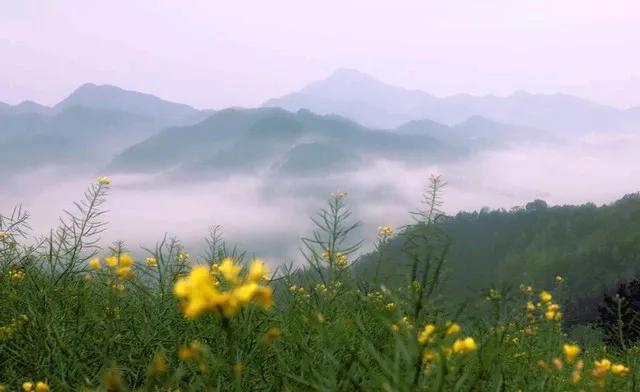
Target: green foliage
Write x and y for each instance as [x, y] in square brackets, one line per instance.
[75, 326]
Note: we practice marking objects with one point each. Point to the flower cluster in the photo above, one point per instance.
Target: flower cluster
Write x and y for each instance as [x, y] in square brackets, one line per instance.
[339, 194]
[39, 386]
[103, 181]
[9, 330]
[121, 265]
[404, 323]
[151, 261]
[16, 275]
[385, 231]
[183, 257]
[339, 259]
[437, 342]
[199, 291]
[601, 368]
[548, 309]
[194, 353]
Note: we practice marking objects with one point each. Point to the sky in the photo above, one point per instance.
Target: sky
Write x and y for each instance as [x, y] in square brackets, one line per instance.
[215, 54]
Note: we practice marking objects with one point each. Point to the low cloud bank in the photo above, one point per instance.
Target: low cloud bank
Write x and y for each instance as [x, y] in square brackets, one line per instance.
[268, 215]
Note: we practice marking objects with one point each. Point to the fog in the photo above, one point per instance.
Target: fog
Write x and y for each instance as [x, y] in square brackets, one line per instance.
[267, 215]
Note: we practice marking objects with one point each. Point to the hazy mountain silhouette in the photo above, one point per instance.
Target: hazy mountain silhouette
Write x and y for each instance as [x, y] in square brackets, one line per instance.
[76, 135]
[113, 98]
[361, 97]
[25, 107]
[476, 133]
[298, 143]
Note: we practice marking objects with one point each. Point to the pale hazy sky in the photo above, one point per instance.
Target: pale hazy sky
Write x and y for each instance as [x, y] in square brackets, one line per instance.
[210, 53]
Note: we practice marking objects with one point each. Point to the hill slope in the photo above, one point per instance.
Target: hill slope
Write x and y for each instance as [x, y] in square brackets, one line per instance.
[292, 143]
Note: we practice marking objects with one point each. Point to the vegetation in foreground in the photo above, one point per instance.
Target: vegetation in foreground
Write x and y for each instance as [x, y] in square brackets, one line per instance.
[76, 317]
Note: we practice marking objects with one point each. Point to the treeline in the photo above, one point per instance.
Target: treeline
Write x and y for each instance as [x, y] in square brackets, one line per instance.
[591, 248]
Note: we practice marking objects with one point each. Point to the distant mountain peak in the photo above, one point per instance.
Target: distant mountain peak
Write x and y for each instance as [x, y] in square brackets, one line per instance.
[109, 97]
[350, 74]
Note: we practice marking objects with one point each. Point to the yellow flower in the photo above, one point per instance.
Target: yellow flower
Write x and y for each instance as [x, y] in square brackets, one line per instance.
[385, 231]
[453, 328]
[42, 387]
[619, 370]
[425, 335]
[390, 306]
[341, 259]
[95, 263]
[151, 261]
[16, 275]
[3, 235]
[462, 346]
[545, 296]
[571, 352]
[193, 351]
[601, 368]
[124, 273]
[530, 306]
[183, 256]
[230, 270]
[551, 315]
[27, 386]
[158, 364]
[258, 271]
[339, 194]
[576, 374]
[111, 261]
[272, 334]
[104, 181]
[126, 260]
[199, 293]
[429, 356]
[557, 362]
[559, 279]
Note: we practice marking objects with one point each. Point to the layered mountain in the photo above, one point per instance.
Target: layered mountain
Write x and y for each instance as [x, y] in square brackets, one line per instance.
[374, 103]
[89, 127]
[76, 135]
[112, 98]
[24, 108]
[301, 143]
[476, 133]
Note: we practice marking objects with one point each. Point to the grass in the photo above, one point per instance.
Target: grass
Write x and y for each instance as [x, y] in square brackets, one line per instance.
[77, 317]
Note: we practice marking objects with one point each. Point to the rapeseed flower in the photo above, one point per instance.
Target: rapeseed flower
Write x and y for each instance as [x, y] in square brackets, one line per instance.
[125, 260]
[27, 386]
[619, 370]
[42, 387]
[230, 270]
[151, 261]
[385, 231]
[571, 352]
[463, 346]
[545, 296]
[199, 293]
[95, 263]
[453, 328]
[125, 273]
[104, 181]
[426, 335]
[112, 261]
[601, 368]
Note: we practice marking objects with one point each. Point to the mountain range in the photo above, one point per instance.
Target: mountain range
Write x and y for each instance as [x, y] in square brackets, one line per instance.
[373, 103]
[339, 123]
